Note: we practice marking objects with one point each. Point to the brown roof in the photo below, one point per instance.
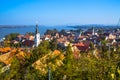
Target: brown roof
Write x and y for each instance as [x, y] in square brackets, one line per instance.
[29, 43]
[83, 48]
[27, 36]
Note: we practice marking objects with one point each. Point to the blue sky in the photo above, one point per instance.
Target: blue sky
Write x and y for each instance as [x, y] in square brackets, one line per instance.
[59, 12]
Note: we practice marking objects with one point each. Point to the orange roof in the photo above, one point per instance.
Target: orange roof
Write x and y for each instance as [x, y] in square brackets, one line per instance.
[81, 36]
[6, 49]
[79, 44]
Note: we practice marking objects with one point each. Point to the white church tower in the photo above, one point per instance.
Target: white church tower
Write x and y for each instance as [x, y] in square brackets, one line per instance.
[93, 31]
[37, 36]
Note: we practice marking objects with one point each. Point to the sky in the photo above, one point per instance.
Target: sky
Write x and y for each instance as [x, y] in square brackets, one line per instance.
[59, 12]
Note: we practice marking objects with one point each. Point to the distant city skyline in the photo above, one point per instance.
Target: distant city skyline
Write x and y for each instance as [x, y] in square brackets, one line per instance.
[59, 12]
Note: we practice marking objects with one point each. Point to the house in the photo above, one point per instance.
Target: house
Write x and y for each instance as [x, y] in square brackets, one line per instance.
[14, 42]
[19, 37]
[81, 46]
[28, 43]
[76, 52]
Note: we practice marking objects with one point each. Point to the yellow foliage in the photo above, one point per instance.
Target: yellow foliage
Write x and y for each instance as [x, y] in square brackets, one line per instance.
[62, 56]
[56, 52]
[7, 59]
[112, 75]
[12, 53]
[20, 54]
[7, 48]
[4, 50]
[14, 50]
[52, 60]
[118, 71]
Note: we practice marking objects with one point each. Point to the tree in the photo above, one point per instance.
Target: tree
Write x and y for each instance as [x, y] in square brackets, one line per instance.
[13, 73]
[38, 52]
[51, 32]
[53, 44]
[30, 33]
[62, 32]
[69, 63]
[11, 36]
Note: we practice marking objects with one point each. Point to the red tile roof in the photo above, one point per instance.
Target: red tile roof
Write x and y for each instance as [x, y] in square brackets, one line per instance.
[81, 46]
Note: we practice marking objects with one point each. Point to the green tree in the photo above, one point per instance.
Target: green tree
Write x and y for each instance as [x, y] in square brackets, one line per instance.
[53, 44]
[13, 73]
[11, 36]
[30, 33]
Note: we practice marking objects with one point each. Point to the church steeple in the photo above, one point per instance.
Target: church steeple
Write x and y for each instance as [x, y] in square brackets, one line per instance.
[37, 36]
[36, 28]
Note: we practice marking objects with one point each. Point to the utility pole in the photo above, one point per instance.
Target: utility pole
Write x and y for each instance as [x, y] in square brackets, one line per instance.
[49, 73]
[108, 45]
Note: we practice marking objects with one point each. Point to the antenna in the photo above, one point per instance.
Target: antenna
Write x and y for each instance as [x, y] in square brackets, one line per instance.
[118, 24]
